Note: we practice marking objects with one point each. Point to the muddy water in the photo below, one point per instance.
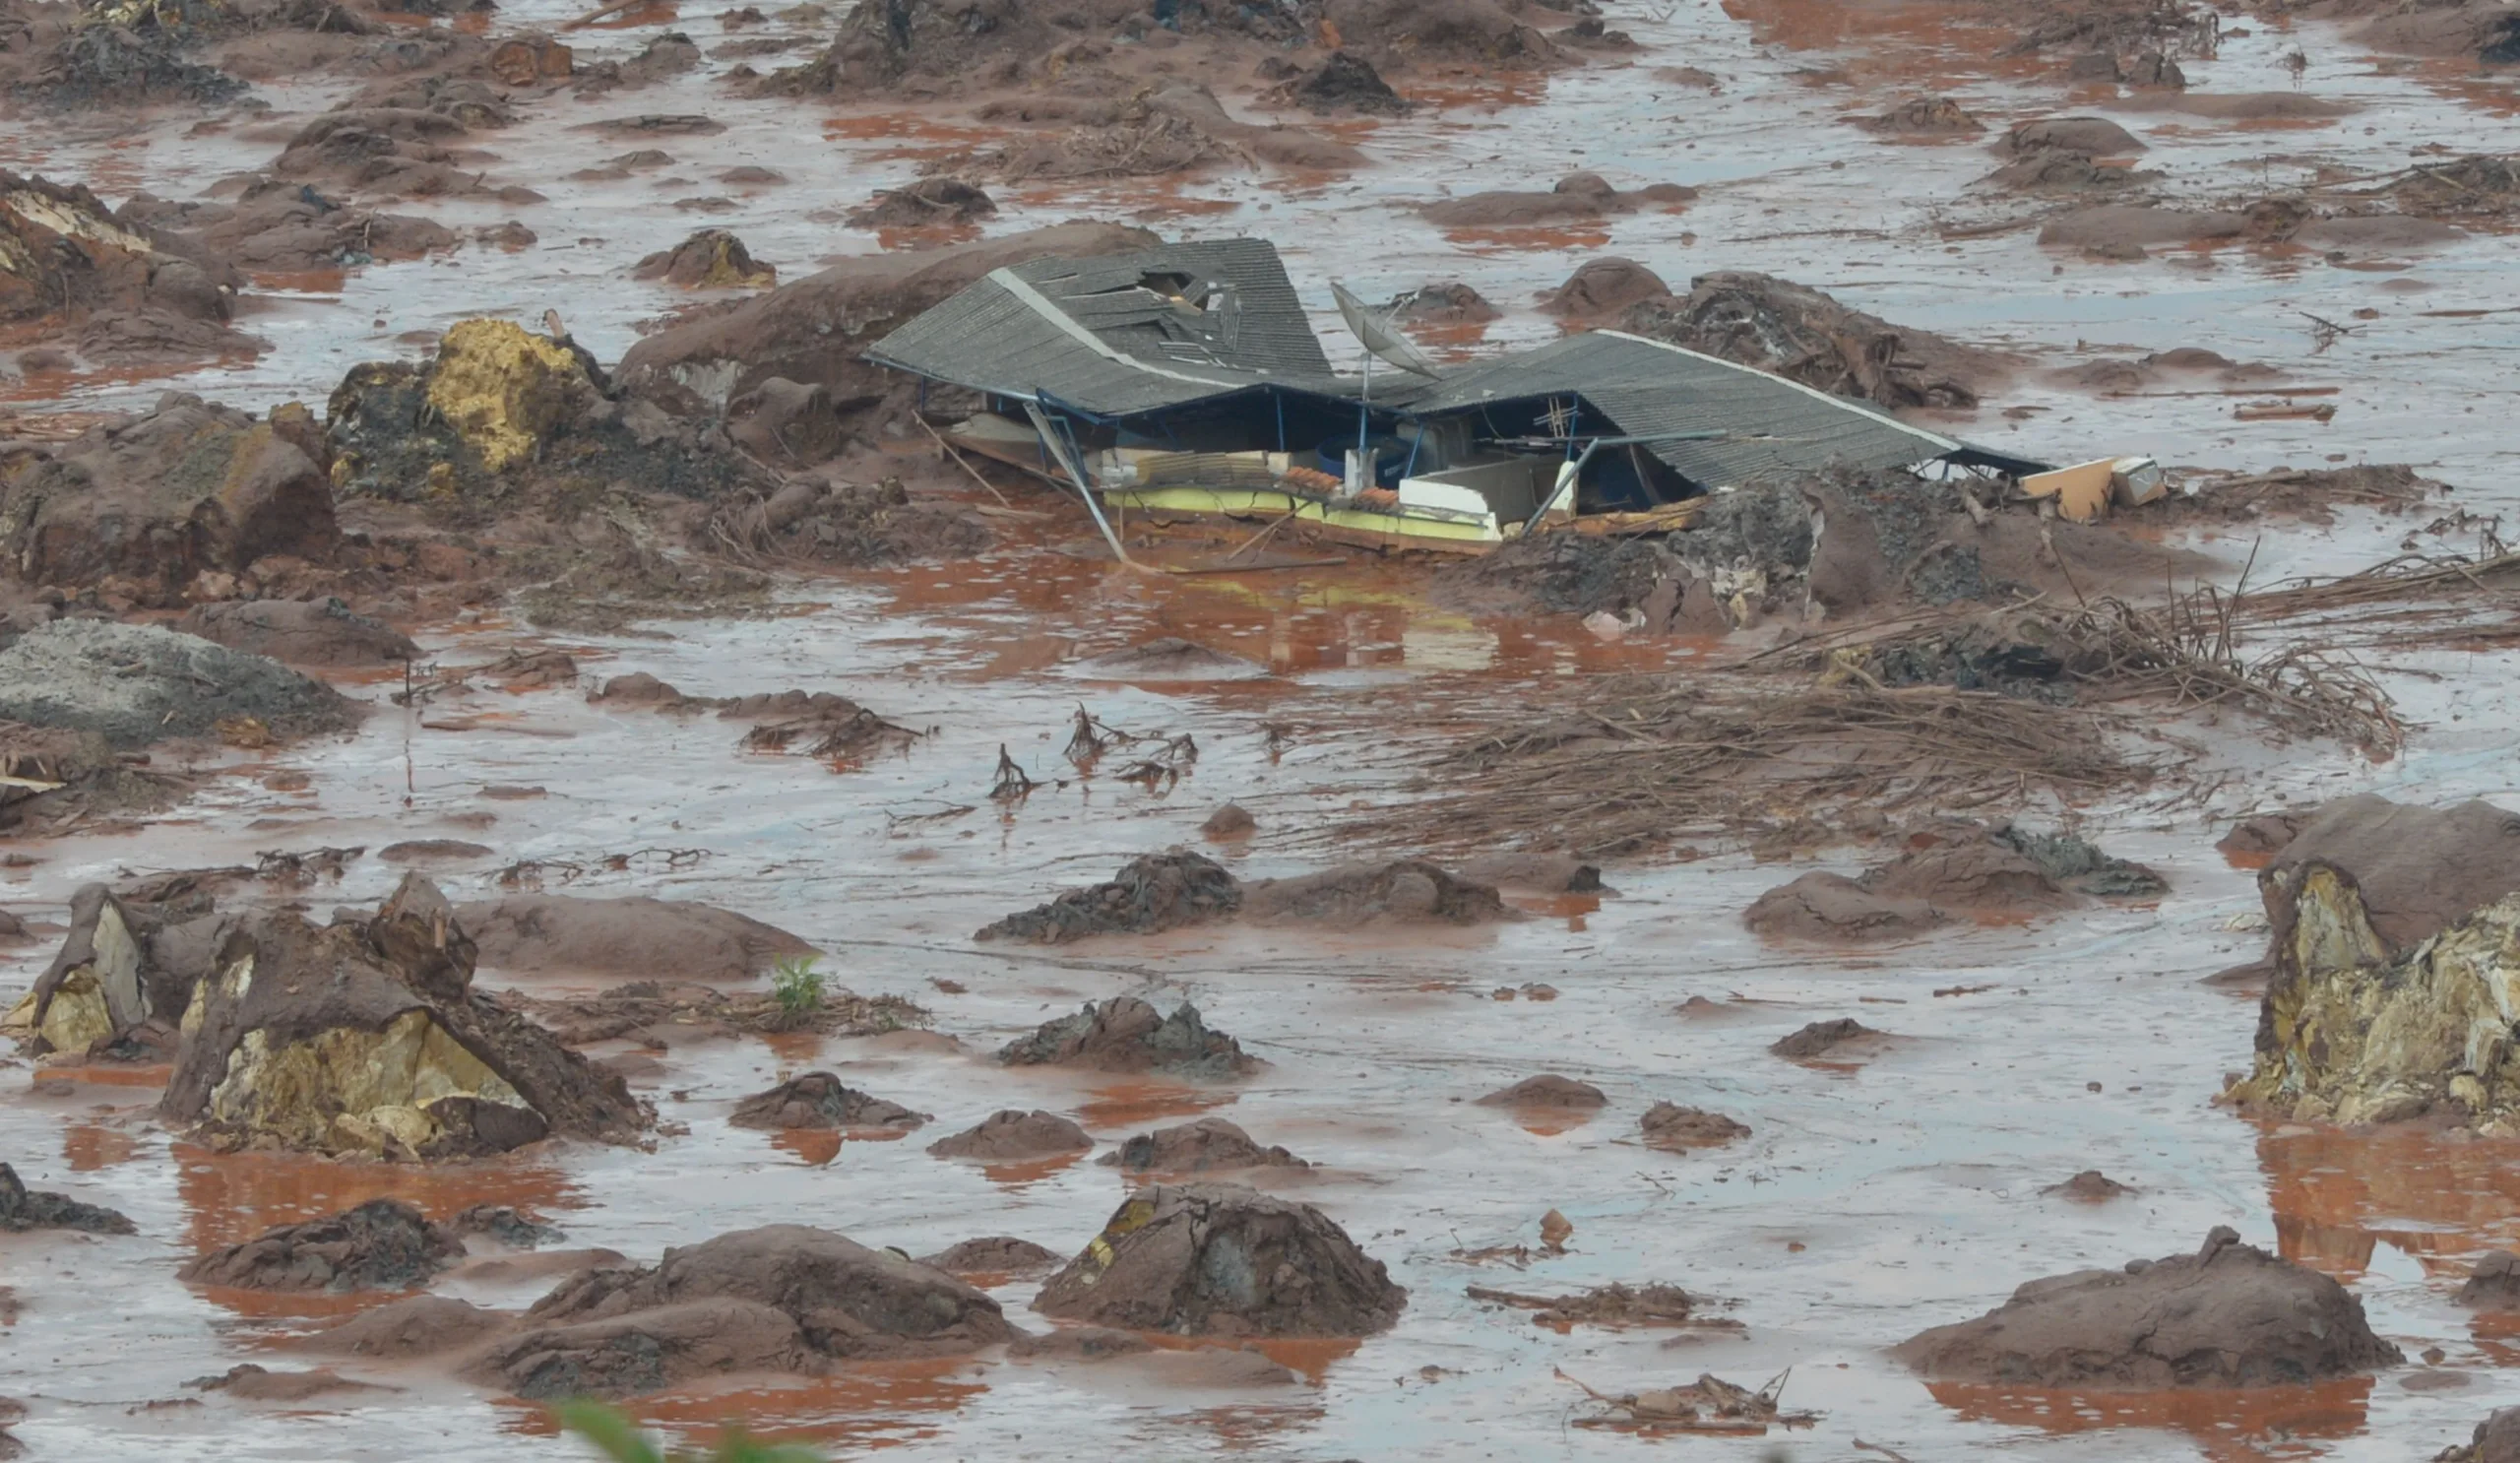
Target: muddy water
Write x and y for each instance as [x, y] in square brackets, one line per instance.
[1870, 1201]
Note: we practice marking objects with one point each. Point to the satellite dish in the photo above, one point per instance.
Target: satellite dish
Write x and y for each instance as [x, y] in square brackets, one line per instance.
[1380, 336]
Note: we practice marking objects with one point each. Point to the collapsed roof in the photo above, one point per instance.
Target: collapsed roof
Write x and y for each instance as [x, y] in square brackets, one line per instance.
[1123, 335]
[1138, 334]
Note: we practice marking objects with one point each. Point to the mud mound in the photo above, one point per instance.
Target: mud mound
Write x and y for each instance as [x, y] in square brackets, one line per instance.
[1480, 35]
[142, 508]
[1804, 336]
[1156, 131]
[2090, 1187]
[930, 203]
[2068, 175]
[2093, 137]
[383, 1244]
[2414, 870]
[388, 152]
[1221, 1261]
[1602, 287]
[818, 1100]
[812, 329]
[998, 1254]
[301, 633]
[1210, 1144]
[1448, 304]
[2136, 226]
[712, 259]
[505, 1225]
[834, 524]
[1153, 893]
[1549, 1091]
[645, 1349]
[418, 1327]
[1669, 1125]
[1411, 891]
[81, 276]
[1010, 1136]
[1925, 116]
[278, 226]
[1832, 909]
[780, 1298]
[2229, 1315]
[1232, 820]
[1125, 1035]
[22, 1209]
[1345, 83]
[1821, 1037]
[367, 1038]
[2009, 874]
[136, 684]
[1599, 286]
[497, 415]
[102, 65]
[2494, 1283]
[635, 936]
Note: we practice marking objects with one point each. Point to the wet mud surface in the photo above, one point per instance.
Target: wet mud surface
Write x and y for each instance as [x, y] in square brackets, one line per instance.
[1825, 1204]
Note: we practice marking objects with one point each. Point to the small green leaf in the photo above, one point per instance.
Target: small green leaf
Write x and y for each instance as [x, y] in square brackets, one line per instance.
[608, 1430]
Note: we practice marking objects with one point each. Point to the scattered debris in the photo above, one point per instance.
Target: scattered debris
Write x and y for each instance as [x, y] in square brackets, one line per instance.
[1709, 1405]
[1614, 1305]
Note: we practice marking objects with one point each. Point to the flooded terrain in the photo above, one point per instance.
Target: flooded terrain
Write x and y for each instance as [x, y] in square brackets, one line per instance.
[1907, 1178]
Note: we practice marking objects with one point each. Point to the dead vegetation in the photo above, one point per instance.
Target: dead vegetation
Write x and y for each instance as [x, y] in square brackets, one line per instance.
[1708, 1405]
[1675, 758]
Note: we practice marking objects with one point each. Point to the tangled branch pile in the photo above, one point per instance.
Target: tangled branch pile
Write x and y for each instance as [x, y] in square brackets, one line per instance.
[2186, 650]
[1678, 759]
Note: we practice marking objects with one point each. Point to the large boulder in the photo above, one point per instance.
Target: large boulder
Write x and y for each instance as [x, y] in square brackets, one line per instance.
[1208, 1145]
[148, 504]
[124, 965]
[1223, 1260]
[368, 1039]
[2392, 968]
[780, 1298]
[1009, 1136]
[2229, 1315]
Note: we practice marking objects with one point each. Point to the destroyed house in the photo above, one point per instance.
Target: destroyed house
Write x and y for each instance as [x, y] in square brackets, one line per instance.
[1187, 379]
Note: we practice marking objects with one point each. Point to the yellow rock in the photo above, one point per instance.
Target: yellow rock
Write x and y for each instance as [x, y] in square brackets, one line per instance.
[503, 389]
[78, 1017]
[2356, 1038]
[347, 1089]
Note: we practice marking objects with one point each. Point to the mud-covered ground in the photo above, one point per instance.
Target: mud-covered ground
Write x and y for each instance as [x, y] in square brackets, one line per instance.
[1888, 1184]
